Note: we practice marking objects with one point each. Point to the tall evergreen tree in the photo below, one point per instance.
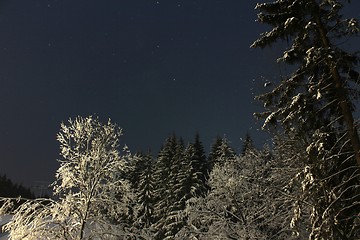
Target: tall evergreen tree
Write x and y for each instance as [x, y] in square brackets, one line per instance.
[178, 192]
[322, 88]
[199, 164]
[247, 144]
[162, 182]
[317, 101]
[213, 153]
[189, 182]
[180, 175]
[220, 151]
[134, 169]
[145, 192]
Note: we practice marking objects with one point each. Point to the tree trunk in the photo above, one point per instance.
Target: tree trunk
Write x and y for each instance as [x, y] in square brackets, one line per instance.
[341, 92]
[84, 218]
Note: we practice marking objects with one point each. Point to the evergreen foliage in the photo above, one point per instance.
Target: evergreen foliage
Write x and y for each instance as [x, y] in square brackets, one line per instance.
[145, 192]
[316, 103]
[248, 145]
[220, 151]
[162, 177]
[180, 173]
[199, 166]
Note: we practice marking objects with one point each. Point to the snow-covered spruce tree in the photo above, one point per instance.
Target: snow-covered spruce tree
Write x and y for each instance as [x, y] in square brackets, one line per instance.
[91, 195]
[317, 101]
[179, 175]
[162, 184]
[189, 181]
[184, 181]
[178, 178]
[199, 165]
[145, 192]
[248, 144]
[220, 151]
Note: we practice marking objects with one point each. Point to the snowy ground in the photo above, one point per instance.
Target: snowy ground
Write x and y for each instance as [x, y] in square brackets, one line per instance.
[4, 219]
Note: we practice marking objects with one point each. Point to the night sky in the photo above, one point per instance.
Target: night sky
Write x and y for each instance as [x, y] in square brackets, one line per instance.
[153, 67]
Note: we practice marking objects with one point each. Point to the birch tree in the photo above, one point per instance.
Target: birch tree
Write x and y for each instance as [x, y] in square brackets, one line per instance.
[91, 195]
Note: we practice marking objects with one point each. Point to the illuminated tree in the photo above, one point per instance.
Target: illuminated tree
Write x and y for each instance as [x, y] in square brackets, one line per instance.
[92, 196]
[316, 102]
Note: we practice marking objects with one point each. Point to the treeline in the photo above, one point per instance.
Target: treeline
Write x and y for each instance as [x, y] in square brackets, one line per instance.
[13, 190]
[102, 192]
[256, 194]
[108, 193]
[164, 184]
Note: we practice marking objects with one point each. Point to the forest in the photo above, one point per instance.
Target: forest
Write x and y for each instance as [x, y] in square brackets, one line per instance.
[13, 190]
[304, 185]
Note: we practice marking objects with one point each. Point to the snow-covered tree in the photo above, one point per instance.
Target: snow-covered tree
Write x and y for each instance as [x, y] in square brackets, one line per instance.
[189, 181]
[316, 102]
[180, 174]
[90, 170]
[199, 165]
[178, 191]
[165, 164]
[145, 192]
[92, 197]
[220, 151]
[238, 206]
[324, 82]
[253, 196]
[287, 177]
[248, 144]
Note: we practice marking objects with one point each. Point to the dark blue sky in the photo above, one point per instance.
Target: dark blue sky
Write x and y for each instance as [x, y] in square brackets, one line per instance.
[153, 67]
